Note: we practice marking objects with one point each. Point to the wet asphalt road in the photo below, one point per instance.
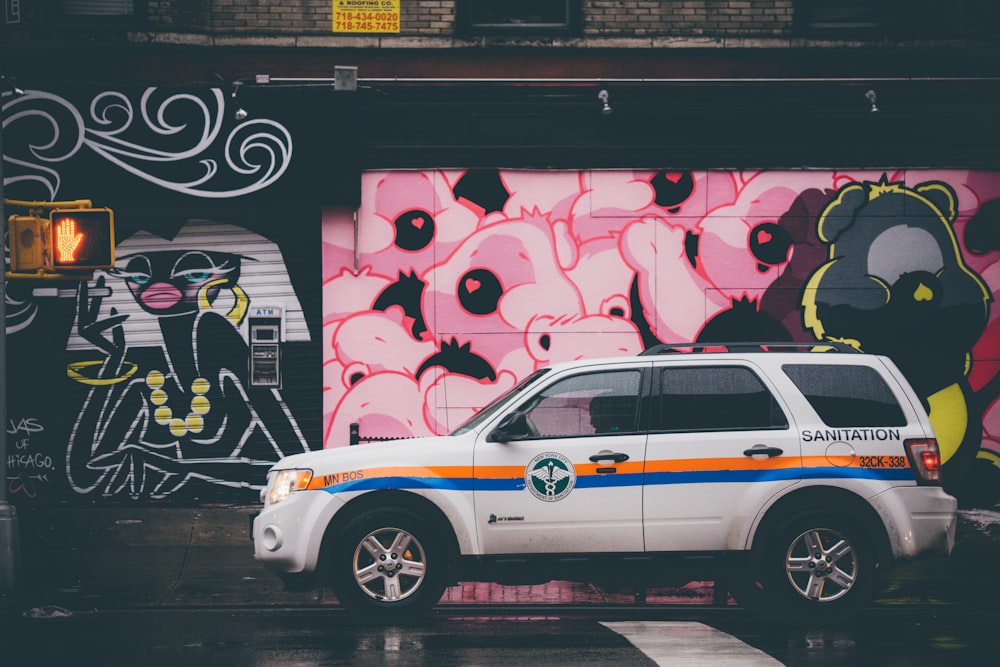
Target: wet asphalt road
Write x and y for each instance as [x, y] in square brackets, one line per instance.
[179, 586]
[551, 636]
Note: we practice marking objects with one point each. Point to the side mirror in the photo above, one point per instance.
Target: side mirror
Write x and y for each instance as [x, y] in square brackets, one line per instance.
[512, 427]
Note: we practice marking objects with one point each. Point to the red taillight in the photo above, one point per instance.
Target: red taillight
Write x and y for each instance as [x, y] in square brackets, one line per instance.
[925, 460]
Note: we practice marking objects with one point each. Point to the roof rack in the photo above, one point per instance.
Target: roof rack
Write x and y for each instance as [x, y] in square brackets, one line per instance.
[748, 346]
[356, 438]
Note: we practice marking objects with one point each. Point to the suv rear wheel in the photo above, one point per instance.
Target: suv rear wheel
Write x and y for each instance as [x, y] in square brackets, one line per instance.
[816, 567]
[388, 564]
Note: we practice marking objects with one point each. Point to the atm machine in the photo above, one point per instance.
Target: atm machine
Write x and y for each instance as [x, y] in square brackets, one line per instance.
[265, 346]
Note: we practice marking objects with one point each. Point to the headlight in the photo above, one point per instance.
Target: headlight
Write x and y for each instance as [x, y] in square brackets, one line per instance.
[284, 482]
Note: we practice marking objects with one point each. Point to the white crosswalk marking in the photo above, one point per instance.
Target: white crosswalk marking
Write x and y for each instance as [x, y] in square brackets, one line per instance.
[684, 644]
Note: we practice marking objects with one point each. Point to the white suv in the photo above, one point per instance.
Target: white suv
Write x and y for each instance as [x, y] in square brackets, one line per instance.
[795, 475]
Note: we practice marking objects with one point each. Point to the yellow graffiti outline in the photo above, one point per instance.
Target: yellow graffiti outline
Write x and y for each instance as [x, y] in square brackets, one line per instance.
[832, 205]
[990, 457]
[73, 371]
[809, 318]
[238, 311]
[950, 417]
[876, 190]
[945, 217]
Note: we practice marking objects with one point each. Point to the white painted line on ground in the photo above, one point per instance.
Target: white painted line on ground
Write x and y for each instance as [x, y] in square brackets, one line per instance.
[677, 644]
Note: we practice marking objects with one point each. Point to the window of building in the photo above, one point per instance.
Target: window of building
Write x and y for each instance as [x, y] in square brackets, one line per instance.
[900, 19]
[714, 398]
[514, 16]
[847, 395]
[982, 15]
[840, 16]
[96, 7]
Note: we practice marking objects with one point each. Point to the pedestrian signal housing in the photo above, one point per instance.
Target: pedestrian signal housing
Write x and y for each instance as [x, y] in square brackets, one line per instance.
[28, 242]
[82, 239]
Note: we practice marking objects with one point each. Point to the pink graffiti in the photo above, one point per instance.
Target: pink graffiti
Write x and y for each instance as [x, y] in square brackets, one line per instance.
[434, 302]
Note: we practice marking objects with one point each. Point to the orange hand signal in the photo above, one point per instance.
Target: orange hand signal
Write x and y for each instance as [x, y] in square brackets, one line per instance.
[67, 240]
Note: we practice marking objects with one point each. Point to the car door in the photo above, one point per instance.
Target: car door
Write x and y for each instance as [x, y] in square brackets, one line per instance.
[720, 442]
[570, 480]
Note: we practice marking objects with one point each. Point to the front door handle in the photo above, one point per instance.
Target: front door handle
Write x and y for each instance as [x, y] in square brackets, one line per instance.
[763, 450]
[617, 457]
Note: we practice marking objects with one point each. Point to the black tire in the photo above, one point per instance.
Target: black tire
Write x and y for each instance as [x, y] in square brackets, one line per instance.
[389, 565]
[816, 567]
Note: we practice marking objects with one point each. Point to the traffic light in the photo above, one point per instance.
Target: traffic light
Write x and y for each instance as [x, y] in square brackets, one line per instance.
[69, 244]
[82, 239]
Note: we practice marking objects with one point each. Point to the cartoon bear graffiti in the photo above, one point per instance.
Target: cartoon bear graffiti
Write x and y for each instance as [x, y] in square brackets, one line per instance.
[896, 284]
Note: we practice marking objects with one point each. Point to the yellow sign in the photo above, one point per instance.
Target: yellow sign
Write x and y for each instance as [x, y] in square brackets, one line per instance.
[366, 15]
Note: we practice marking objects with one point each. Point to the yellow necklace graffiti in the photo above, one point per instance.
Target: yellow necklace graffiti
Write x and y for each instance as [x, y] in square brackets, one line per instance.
[164, 416]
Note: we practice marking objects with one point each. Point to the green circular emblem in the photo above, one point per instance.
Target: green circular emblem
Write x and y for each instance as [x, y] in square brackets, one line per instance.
[550, 477]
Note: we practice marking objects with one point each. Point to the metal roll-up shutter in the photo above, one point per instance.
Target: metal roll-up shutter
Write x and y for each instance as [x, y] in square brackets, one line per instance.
[276, 255]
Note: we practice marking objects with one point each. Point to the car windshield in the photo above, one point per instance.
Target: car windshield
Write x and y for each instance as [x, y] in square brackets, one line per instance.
[488, 411]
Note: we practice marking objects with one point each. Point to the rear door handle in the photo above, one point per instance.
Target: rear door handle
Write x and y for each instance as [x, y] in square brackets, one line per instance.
[763, 450]
[617, 457]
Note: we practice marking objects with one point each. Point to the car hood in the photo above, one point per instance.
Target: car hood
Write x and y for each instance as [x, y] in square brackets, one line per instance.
[430, 450]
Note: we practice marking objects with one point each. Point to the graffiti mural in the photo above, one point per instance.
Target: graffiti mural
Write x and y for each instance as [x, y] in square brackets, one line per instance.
[160, 344]
[137, 385]
[141, 384]
[896, 284]
[172, 140]
[451, 286]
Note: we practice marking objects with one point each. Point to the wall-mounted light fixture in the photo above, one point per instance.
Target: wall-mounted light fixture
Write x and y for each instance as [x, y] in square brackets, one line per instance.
[345, 79]
[11, 86]
[870, 95]
[240, 113]
[603, 97]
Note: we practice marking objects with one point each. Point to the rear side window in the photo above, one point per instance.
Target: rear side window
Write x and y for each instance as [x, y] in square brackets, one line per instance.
[714, 398]
[847, 395]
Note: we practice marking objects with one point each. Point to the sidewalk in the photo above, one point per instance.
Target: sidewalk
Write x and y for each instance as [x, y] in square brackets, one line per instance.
[82, 559]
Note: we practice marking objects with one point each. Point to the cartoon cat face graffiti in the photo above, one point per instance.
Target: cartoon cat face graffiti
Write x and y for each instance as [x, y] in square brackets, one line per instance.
[743, 247]
[896, 279]
[496, 283]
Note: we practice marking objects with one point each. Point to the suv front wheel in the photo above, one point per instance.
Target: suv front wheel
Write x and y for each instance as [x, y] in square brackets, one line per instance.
[388, 564]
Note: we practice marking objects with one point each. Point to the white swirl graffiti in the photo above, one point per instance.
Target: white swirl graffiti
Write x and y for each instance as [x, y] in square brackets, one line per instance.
[149, 143]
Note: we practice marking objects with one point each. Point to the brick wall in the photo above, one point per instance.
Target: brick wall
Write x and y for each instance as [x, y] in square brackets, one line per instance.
[436, 18]
[427, 17]
[687, 18]
[288, 17]
[264, 17]
[435, 24]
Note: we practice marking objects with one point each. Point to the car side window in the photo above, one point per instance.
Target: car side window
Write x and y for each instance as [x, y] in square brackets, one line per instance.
[587, 404]
[714, 398]
[844, 395]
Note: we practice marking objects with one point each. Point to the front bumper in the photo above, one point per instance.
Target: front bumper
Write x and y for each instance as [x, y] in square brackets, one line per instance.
[287, 537]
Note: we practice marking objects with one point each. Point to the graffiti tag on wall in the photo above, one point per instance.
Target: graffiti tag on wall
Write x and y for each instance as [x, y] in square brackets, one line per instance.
[28, 468]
